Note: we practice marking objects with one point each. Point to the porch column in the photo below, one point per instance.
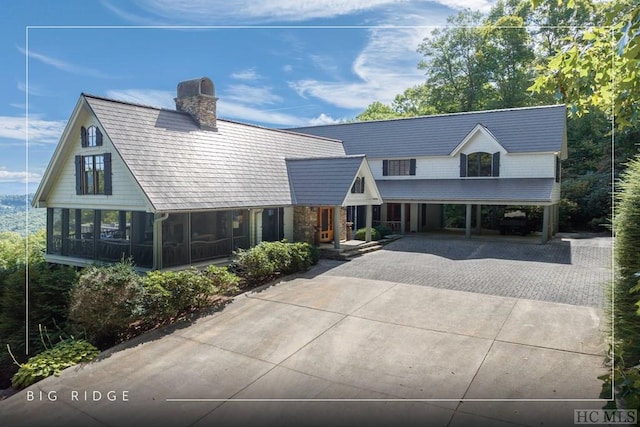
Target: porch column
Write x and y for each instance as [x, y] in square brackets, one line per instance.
[545, 225]
[403, 224]
[368, 223]
[478, 218]
[467, 230]
[336, 227]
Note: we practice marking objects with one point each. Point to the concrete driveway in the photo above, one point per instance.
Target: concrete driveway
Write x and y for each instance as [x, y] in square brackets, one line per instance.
[332, 348]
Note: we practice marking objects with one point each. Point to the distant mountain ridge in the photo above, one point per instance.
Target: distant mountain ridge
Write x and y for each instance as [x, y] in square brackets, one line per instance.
[13, 214]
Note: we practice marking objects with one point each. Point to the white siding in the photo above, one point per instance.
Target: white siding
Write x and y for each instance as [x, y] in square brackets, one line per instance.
[481, 142]
[126, 192]
[511, 166]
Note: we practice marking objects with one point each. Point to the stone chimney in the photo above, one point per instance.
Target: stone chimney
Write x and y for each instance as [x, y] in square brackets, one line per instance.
[196, 97]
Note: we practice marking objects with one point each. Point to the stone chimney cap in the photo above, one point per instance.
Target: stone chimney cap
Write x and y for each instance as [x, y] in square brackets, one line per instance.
[196, 87]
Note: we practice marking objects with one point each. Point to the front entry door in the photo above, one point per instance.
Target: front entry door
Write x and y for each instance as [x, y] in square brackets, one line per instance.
[325, 225]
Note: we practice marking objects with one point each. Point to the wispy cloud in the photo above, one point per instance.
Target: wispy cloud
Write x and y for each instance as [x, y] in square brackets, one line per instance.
[256, 95]
[154, 98]
[40, 131]
[63, 65]
[33, 89]
[19, 176]
[248, 74]
[212, 12]
[323, 119]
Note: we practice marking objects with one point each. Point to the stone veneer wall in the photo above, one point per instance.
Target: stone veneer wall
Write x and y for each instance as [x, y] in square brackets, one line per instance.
[202, 108]
[305, 221]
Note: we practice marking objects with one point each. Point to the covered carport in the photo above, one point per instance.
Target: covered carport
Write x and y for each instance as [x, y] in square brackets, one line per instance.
[476, 192]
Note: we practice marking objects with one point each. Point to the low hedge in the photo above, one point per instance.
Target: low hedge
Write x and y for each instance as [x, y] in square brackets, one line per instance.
[361, 234]
[270, 259]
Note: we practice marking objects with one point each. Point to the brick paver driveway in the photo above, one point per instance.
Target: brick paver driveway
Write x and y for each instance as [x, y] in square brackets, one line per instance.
[565, 270]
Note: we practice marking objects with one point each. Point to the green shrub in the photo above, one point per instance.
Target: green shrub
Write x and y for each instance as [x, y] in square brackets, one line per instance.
[361, 234]
[303, 256]
[269, 259]
[222, 279]
[626, 291]
[169, 294]
[106, 301]
[383, 230]
[64, 354]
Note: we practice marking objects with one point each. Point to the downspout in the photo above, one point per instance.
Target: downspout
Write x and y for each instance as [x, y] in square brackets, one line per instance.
[157, 241]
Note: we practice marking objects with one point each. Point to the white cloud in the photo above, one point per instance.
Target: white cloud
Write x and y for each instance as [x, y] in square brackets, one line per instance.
[287, 68]
[211, 12]
[153, 98]
[21, 176]
[323, 119]
[248, 114]
[40, 131]
[383, 69]
[254, 94]
[248, 74]
[63, 65]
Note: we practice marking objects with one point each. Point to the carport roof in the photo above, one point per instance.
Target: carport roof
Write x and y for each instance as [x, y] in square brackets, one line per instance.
[498, 191]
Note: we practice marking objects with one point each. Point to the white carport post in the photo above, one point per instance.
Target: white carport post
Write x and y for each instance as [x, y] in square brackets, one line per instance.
[336, 227]
[467, 230]
[545, 225]
[369, 222]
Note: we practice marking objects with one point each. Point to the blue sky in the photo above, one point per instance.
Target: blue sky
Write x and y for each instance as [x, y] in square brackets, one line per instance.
[290, 63]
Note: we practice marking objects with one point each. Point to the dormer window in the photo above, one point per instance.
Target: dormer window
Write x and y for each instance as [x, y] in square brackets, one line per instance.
[91, 136]
[480, 164]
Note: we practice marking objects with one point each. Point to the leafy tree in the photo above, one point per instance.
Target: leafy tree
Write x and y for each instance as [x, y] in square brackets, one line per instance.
[377, 111]
[414, 101]
[599, 67]
[456, 64]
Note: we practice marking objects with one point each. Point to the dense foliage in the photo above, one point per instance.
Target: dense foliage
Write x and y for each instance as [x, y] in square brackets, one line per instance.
[270, 259]
[626, 320]
[53, 361]
[13, 215]
[48, 297]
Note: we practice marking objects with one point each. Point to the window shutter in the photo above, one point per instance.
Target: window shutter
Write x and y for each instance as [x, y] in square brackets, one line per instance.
[79, 174]
[463, 165]
[558, 169]
[362, 185]
[496, 164]
[412, 167]
[107, 174]
[98, 136]
[83, 136]
[385, 167]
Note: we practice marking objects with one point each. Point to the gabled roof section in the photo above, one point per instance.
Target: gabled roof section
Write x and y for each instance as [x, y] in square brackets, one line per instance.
[181, 167]
[323, 181]
[478, 129]
[519, 130]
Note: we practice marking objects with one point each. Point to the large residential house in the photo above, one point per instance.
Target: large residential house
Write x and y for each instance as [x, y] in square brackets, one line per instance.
[171, 188]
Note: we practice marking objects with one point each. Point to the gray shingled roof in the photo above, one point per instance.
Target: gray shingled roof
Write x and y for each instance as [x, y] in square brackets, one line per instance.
[507, 190]
[519, 130]
[181, 167]
[324, 182]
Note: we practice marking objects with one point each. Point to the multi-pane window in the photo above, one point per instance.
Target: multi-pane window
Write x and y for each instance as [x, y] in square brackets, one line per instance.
[479, 164]
[400, 167]
[91, 136]
[93, 174]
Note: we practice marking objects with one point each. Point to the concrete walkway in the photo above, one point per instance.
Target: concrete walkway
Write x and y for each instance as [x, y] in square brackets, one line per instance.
[325, 349]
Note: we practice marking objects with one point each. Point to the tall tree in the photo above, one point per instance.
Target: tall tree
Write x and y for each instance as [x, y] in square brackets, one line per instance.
[456, 65]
